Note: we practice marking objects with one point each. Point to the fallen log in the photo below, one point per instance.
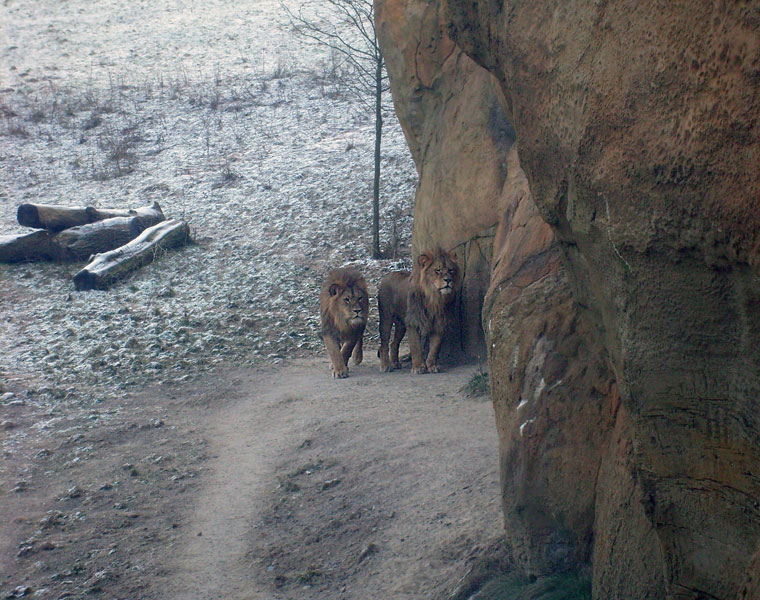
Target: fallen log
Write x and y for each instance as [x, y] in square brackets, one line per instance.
[52, 217]
[99, 214]
[111, 266]
[81, 242]
[38, 245]
[56, 218]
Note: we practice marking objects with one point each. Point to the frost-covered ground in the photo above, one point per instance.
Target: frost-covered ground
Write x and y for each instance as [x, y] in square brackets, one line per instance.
[215, 110]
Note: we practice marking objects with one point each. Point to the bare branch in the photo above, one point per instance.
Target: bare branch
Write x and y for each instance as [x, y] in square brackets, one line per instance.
[348, 28]
[314, 27]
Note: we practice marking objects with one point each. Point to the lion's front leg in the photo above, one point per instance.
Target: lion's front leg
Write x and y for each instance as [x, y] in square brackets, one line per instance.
[340, 368]
[415, 347]
[435, 346]
[358, 353]
[348, 348]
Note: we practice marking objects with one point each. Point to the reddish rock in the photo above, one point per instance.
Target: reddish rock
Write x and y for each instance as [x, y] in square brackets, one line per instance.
[564, 438]
[638, 134]
[637, 126]
[435, 86]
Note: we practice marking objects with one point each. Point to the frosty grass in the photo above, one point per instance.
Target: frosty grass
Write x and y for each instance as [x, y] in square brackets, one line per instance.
[217, 112]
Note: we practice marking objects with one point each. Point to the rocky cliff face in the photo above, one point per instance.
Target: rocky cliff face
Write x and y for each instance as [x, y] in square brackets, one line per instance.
[435, 85]
[623, 311]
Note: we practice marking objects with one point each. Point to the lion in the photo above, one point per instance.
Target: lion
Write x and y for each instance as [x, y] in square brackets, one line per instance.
[420, 302]
[344, 307]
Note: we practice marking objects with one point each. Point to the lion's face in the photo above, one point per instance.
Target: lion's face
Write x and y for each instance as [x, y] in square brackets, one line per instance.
[440, 273]
[351, 305]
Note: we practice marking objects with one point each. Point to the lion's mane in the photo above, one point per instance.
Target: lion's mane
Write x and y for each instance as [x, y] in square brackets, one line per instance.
[427, 310]
[333, 320]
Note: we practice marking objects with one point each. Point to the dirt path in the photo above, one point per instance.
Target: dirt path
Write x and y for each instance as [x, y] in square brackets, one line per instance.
[276, 484]
[378, 486]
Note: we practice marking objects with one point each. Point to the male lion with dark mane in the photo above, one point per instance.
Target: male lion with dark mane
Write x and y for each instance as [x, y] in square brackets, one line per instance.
[344, 306]
[421, 302]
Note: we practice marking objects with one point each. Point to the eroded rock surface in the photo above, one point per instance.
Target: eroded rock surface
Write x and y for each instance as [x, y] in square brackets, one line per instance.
[623, 315]
[435, 87]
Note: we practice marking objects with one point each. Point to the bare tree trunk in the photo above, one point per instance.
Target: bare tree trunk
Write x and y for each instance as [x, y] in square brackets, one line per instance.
[56, 218]
[378, 138]
[111, 266]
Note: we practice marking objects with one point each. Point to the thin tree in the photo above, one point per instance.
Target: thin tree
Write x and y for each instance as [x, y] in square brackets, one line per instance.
[348, 28]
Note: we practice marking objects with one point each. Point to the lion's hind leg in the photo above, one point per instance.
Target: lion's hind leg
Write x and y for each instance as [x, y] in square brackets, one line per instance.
[386, 324]
[398, 335]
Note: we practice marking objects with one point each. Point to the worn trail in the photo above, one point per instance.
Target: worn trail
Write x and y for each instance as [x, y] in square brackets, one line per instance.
[380, 484]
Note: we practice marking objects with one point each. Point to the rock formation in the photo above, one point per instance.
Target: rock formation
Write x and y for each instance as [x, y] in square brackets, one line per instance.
[434, 86]
[623, 309]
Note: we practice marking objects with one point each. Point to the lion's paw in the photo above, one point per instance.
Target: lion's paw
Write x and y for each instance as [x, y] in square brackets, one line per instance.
[433, 369]
[419, 370]
[342, 374]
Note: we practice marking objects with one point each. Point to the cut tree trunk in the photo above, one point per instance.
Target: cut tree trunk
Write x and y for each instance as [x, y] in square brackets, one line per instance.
[111, 266]
[79, 243]
[21, 247]
[57, 218]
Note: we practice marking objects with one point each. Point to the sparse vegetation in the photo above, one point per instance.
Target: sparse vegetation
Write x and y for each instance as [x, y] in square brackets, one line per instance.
[193, 141]
[478, 385]
[347, 28]
[119, 146]
[518, 587]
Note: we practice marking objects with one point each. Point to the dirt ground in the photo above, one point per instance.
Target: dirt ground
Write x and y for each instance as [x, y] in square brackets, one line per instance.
[276, 483]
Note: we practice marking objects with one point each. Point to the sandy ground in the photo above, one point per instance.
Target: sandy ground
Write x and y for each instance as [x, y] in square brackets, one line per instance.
[269, 484]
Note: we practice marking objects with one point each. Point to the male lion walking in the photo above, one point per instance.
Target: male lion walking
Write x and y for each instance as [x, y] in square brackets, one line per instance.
[344, 307]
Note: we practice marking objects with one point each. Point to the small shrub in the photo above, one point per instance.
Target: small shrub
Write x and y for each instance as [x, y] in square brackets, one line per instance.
[289, 486]
[92, 121]
[228, 176]
[280, 72]
[119, 147]
[7, 112]
[478, 385]
[18, 130]
[37, 116]
[309, 576]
